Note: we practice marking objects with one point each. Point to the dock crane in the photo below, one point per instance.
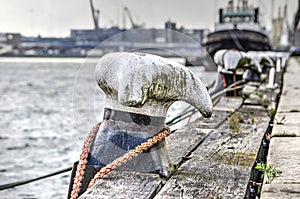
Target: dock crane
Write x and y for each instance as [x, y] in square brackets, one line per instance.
[126, 10]
[95, 14]
[297, 17]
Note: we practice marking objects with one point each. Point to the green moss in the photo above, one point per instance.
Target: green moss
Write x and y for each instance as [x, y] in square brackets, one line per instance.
[272, 112]
[234, 122]
[235, 158]
[216, 196]
[181, 173]
[107, 89]
[171, 169]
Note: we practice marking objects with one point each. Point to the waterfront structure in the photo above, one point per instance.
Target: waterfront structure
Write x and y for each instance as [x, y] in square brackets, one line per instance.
[238, 28]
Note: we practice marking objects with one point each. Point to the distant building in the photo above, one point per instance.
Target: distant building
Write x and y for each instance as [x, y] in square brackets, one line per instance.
[43, 46]
[8, 42]
[82, 41]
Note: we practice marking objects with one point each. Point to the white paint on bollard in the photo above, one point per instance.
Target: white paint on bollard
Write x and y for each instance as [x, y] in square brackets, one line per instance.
[278, 65]
[271, 83]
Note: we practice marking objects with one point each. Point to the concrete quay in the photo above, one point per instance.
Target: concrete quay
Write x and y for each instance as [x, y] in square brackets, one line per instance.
[284, 149]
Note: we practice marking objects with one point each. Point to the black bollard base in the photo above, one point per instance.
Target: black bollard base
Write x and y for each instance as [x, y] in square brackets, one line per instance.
[230, 79]
[89, 174]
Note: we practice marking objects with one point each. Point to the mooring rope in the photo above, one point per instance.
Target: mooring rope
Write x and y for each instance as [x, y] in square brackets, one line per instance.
[15, 184]
[129, 155]
[114, 164]
[83, 160]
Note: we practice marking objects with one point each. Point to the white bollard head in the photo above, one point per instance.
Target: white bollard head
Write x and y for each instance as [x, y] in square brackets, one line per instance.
[149, 84]
[232, 60]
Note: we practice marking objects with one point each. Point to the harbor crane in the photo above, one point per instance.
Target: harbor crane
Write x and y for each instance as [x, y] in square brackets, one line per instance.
[297, 17]
[95, 14]
[126, 10]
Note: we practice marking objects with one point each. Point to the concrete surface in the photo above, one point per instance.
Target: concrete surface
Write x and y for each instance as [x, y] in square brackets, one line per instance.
[284, 150]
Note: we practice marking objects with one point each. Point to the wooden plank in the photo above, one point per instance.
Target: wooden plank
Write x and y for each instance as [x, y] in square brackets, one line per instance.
[210, 183]
[229, 103]
[181, 143]
[122, 184]
[184, 140]
[221, 165]
[254, 110]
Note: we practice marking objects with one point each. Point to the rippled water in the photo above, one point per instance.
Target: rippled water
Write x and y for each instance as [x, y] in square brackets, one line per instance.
[37, 134]
[42, 123]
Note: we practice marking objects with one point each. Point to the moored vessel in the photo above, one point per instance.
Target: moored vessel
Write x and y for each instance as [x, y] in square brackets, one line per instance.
[238, 28]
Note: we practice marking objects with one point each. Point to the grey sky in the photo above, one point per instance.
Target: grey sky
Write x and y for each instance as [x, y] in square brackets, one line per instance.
[57, 17]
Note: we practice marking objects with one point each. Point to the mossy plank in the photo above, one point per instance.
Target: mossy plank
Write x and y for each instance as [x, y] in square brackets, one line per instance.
[184, 140]
[207, 183]
[221, 165]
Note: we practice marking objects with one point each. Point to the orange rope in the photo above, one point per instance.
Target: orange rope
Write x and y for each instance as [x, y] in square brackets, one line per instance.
[82, 161]
[129, 155]
[116, 163]
[224, 80]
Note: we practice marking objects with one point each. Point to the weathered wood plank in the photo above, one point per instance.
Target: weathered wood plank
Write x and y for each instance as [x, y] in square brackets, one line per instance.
[122, 184]
[210, 183]
[229, 104]
[181, 143]
[221, 165]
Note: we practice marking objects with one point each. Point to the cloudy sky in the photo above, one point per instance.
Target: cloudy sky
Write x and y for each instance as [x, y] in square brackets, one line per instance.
[57, 17]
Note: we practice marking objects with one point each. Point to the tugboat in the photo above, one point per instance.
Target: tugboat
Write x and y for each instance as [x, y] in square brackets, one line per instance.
[238, 28]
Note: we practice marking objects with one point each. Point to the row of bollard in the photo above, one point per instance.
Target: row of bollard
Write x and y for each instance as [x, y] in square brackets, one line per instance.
[235, 66]
[140, 88]
[251, 66]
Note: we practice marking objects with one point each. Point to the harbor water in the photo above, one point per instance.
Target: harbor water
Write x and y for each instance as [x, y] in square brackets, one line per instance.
[48, 105]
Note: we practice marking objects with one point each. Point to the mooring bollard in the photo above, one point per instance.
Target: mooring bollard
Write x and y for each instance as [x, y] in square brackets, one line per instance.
[139, 89]
[264, 60]
[279, 61]
[232, 65]
[271, 82]
[278, 65]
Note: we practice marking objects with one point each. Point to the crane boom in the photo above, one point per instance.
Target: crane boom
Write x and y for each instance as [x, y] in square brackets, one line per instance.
[297, 16]
[95, 14]
[130, 18]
